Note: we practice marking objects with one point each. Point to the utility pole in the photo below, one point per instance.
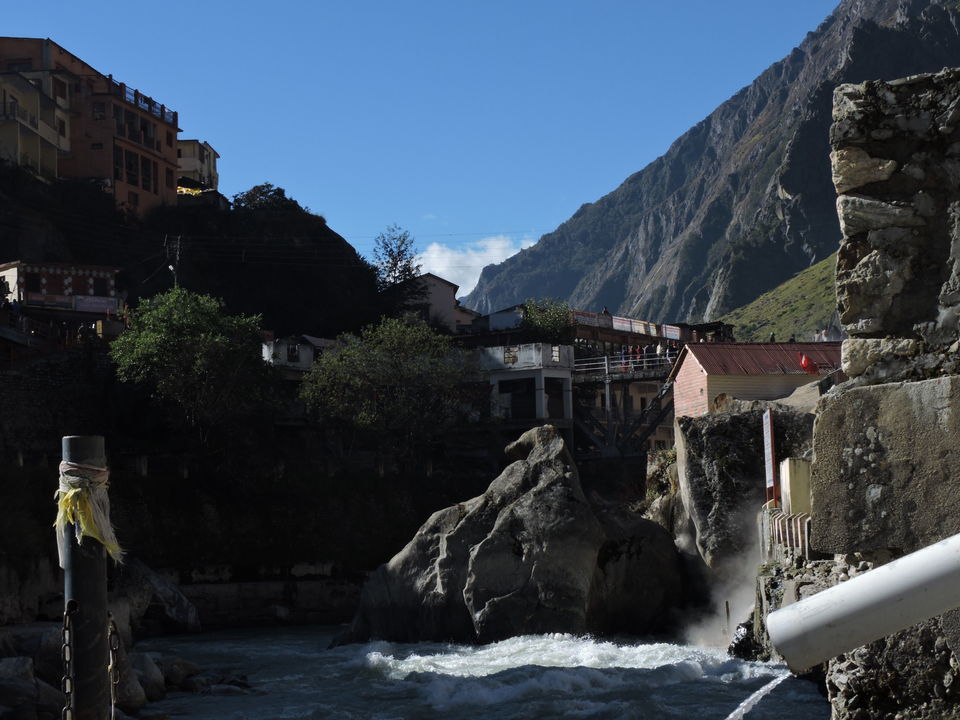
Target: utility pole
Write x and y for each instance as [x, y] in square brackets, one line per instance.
[86, 652]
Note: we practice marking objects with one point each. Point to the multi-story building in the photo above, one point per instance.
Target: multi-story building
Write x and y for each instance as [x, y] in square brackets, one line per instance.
[117, 135]
[34, 127]
[198, 162]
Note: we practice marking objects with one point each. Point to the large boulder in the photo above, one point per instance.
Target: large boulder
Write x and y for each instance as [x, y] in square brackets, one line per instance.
[722, 478]
[530, 555]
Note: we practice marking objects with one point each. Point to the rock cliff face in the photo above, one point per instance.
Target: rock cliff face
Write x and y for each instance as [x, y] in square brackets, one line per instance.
[721, 473]
[530, 555]
[747, 187]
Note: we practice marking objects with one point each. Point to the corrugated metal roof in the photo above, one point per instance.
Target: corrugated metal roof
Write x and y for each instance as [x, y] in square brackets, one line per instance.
[763, 358]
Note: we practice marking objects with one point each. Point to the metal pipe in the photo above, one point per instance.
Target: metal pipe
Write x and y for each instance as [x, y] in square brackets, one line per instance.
[865, 608]
[85, 585]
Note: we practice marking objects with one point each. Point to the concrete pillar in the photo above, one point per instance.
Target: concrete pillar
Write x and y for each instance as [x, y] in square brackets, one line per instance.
[540, 395]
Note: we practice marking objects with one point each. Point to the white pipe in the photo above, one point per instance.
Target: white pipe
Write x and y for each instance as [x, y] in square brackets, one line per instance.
[878, 603]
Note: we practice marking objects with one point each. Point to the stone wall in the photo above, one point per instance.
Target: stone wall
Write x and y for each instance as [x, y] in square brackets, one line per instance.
[885, 443]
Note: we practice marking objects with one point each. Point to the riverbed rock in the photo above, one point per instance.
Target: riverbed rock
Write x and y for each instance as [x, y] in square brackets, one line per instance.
[149, 674]
[530, 555]
[154, 604]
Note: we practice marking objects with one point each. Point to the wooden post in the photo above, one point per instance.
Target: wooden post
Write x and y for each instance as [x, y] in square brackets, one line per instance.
[85, 587]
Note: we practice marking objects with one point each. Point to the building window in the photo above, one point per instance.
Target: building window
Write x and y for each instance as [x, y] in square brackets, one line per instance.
[20, 65]
[179, 154]
[293, 352]
[511, 354]
[118, 121]
[146, 174]
[169, 178]
[32, 282]
[133, 199]
[169, 139]
[61, 127]
[132, 164]
[59, 88]
[96, 146]
[156, 178]
[117, 163]
[99, 111]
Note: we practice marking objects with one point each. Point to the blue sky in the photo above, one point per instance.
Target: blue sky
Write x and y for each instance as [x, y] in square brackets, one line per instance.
[477, 126]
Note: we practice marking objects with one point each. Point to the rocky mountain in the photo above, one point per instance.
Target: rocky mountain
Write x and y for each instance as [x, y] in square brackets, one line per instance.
[743, 200]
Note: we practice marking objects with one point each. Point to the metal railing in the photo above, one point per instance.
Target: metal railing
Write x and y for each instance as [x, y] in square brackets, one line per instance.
[613, 364]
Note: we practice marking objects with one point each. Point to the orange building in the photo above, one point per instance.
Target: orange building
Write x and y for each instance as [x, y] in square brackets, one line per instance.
[118, 136]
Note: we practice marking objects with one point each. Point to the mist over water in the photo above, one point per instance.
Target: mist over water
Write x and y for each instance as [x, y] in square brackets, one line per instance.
[542, 676]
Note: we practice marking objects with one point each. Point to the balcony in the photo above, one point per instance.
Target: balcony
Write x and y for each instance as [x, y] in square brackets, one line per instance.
[143, 102]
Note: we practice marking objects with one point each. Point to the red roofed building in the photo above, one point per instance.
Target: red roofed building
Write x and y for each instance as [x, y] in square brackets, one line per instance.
[746, 371]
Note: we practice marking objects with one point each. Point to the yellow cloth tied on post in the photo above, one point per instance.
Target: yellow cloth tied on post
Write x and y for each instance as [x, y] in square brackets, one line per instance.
[83, 502]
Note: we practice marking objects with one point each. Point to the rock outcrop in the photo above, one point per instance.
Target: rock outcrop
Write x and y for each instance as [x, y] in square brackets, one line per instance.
[721, 472]
[530, 555]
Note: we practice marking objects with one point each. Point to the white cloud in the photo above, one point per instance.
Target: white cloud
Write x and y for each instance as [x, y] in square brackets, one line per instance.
[462, 264]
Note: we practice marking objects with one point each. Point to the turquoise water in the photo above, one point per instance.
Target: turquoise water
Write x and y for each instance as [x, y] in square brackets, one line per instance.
[294, 676]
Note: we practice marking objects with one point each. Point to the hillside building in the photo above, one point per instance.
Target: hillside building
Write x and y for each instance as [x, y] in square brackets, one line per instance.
[34, 127]
[746, 371]
[198, 162]
[116, 136]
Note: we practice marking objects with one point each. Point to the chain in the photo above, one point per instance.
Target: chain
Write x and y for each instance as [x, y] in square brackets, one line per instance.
[66, 654]
[113, 638]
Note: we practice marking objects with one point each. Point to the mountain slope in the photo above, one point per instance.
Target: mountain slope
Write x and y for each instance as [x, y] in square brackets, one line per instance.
[802, 306]
[740, 202]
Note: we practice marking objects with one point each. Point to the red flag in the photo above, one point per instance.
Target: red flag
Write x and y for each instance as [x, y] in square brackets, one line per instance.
[808, 365]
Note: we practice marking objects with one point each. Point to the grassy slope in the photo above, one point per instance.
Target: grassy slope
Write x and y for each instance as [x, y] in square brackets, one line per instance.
[802, 305]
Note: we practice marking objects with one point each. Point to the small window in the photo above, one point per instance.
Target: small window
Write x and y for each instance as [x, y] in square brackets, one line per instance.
[59, 88]
[169, 178]
[132, 165]
[293, 352]
[99, 111]
[169, 139]
[20, 65]
[146, 174]
[133, 199]
[61, 127]
[96, 146]
[511, 354]
[179, 154]
[117, 163]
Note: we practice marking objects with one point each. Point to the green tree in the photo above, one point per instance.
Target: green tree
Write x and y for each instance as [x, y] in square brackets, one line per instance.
[399, 382]
[395, 257]
[191, 353]
[547, 320]
[265, 197]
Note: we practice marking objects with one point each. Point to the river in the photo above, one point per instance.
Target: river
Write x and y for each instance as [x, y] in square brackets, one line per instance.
[294, 676]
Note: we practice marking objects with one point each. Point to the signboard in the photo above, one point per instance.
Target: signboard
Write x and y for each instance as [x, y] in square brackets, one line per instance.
[769, 456]
[96, 304]
[671, 331]
[621, 323]
[50, 300]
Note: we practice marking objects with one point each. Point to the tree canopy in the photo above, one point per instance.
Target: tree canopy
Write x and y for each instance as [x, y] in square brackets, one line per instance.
[547, 320]
[399, 380]
[266, 196]
[191, 353]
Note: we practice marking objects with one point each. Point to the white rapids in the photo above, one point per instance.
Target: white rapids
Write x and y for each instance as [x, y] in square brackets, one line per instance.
[544, 676]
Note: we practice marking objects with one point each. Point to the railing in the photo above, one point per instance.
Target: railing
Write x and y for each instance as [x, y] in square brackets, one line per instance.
[784, 537]
[613, 364]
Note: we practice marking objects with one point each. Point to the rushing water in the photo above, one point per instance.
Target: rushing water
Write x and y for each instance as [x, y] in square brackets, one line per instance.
[546, 676]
